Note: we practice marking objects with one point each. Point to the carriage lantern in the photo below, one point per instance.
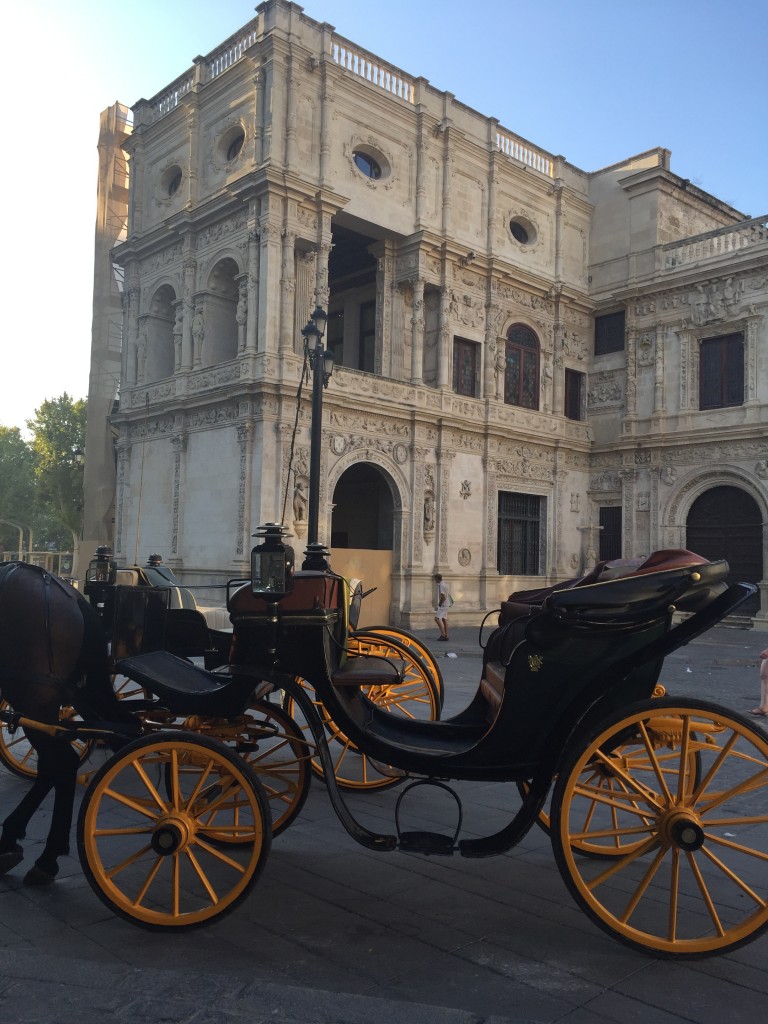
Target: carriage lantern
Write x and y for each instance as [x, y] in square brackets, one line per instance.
[100, 579]
[101, 569]
[272, 563]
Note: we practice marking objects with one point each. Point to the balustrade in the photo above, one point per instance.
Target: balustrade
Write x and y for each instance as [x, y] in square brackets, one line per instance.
[518, 149]
[714, 244]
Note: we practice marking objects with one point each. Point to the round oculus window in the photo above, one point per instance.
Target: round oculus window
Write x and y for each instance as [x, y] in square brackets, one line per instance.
[522, 230]
[172, 180]
[234, 145]
[367, 164]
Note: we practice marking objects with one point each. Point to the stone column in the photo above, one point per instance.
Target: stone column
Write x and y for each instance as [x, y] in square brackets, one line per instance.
[245, 434]
[287, 290]
[130, 330]
[306, 275]
[252, 324]
[322, 291]
[417, 332]
[659, 403]
[187, 348]
[384, 278]
[269, 287]
[630, 398]
[179, 445]
[242, 311]
[121, 484]
[444, 335]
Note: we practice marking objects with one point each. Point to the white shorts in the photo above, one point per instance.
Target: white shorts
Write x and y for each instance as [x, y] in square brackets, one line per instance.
[441, 613]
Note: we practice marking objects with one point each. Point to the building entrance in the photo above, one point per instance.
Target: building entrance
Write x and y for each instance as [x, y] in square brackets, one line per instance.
[725, 522]
[362, 536]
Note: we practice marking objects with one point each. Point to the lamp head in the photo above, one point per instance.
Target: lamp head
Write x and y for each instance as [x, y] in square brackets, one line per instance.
[272, 563]
[320, 320]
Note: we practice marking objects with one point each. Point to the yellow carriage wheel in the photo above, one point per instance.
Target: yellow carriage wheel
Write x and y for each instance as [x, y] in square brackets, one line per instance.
[173, 831]
[275, 748]
[415, 696]
[603, 782]
[407, 640]
[17, 753]
[692, 878]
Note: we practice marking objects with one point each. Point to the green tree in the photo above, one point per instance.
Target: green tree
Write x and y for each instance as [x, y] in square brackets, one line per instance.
[17, 486]
[58, 435]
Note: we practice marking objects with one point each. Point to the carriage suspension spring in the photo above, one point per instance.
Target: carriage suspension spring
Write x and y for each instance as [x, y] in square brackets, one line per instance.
[428, 843]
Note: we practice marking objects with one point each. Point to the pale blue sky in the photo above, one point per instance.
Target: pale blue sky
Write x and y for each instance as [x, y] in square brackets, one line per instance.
[595, 81]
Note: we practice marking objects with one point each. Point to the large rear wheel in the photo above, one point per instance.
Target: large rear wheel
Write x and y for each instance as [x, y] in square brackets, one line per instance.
[173, 831]
[409, 642]
[276, 750]
[416, 695]
[691, 877]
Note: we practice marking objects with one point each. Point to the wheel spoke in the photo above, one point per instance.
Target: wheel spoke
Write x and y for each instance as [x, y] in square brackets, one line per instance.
[130, 861]
[202, 876]
[674, 893]
[705, 894]
[137, 902]
[621, 863]
[747, 786]
[140, 771]
[729, 873]
[134, 803]
[646, 880]
[654, 762]
[683, 763]
[631, 784]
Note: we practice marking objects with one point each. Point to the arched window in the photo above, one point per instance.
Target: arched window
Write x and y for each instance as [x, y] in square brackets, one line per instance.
[521, 377]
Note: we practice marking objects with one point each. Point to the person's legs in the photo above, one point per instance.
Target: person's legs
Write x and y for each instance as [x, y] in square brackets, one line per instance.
[762, 710]
[442, 624]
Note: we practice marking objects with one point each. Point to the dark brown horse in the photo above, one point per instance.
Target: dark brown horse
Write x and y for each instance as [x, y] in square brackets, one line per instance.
[53, 653]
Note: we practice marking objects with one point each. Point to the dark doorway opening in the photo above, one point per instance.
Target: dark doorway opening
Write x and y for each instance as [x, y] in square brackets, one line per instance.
[725, 522]
[363, 510]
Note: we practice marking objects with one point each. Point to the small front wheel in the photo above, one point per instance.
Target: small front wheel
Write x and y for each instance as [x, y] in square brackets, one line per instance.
[173, 831]
[686, 822]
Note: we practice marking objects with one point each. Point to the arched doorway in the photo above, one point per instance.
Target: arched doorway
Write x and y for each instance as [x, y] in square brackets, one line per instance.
[362, 532]
[725, 522]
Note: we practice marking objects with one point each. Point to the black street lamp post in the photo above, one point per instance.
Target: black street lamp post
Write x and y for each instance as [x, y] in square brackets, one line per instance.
[321, 362]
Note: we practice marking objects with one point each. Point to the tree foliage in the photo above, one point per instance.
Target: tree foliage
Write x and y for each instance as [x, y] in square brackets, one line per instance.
[17, 485]
[58, 431]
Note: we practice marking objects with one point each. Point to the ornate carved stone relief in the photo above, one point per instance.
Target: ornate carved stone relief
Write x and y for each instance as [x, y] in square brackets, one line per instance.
[605, 389]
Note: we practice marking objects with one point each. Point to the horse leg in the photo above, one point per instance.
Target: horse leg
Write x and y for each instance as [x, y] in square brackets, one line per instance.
[56, 769]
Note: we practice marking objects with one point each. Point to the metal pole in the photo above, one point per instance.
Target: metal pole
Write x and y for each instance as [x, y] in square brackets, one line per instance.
[313, 511]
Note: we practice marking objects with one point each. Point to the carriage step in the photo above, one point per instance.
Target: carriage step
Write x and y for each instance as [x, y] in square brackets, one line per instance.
[431, 844]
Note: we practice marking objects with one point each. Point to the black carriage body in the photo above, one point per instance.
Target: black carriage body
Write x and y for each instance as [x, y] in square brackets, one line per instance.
[579, 658]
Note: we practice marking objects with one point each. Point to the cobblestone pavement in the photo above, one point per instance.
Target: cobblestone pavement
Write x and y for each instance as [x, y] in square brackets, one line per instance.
[335, 934]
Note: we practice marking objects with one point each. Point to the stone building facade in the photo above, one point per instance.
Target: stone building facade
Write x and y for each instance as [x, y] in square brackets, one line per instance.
[536, 366]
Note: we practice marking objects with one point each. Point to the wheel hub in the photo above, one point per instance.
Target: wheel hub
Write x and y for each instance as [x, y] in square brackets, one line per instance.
[171, 835]
[681, 828]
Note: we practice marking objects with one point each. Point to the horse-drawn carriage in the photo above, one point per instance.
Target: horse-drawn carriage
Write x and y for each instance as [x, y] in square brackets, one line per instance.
[657, 806]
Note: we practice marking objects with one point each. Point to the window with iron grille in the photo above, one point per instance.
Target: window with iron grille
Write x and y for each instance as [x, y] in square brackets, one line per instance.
[521, 377]
[522, 534]
[609, 333]
[465, 367]
[721, 372]
[574, 395]
[610, 533]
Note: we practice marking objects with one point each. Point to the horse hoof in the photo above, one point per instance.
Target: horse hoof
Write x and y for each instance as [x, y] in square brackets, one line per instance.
[10, 859]
[35, 876]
